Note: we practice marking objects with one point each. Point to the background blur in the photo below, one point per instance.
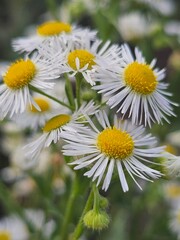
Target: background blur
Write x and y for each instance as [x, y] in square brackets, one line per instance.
[136, 215]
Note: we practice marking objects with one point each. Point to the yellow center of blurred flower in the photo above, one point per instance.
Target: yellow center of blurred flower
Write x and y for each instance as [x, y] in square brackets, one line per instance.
[115, 143]
[42, 103]
[171, 149]
[20, 74]
[173, 191]
[5, 235]
[56, 122]
[140, 78]
[53, 28]
[84, 57]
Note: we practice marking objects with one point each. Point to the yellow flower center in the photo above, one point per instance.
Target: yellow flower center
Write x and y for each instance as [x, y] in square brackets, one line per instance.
[140, 78]
[56, 122]
[115, 143]
[5, 235]
[84, 57]
[20, 74]
[178, 217]
[53, 28]
[42, 103]
[174, 191]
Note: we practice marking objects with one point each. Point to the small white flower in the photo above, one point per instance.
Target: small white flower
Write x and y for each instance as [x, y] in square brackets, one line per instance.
[119, 145]
[174, 223]
[12, 228]
[49, 31]
[172, 164]
[85, 57]
[54, 126]
[34, 118]
[135, 88]
[133, 26]
[15, 92]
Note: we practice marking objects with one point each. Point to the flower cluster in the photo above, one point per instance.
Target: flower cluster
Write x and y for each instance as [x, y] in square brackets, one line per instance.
[104, 133]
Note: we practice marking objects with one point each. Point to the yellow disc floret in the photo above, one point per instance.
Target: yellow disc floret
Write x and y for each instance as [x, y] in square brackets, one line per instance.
[5, 235]
[173, 191]
[20, 74]
[115, 143]
[84, 57]
[42, 103]
[56, 122]
[53, 28]
[140, 78]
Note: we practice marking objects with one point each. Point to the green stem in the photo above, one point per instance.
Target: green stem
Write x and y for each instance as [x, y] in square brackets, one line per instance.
[79, 228]
[69, 91]
[49, 96]
[69, 208]
[78, 89]
[96, 198]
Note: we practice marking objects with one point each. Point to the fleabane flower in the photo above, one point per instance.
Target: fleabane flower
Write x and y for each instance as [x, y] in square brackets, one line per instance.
[15, 92]
[172, 164]
[34, 118]
[120, 145]
[49, 30]
[86, 57]
[175, 221]
[12, 228]
[136, 89]
[54, 126]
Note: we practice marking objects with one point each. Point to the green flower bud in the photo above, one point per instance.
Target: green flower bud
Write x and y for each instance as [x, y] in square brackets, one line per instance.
[96, 220]
[103, 203]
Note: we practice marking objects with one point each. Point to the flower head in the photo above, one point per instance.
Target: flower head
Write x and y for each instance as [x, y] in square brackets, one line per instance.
[120, 144]
[135, 88]
[34, 118]
[49, 31]
[56, 125]
[15, 92]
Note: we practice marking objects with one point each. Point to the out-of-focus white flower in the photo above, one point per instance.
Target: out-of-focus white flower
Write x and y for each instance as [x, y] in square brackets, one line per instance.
[49, 31]
[174, 138]
[172, 164]
[38, 220]
[12, 228]
[33, 118]
[133, 26]
[174, 222]
[164, 7]
[12, 137]
[172, 192]
[173, 28]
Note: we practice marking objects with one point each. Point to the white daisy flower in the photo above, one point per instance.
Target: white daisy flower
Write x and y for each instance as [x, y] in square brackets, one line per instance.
[172, 164]
[34, 118]
[174, 223]
[15, 92]
[49, 30]
[12, 228]
[85, 57]
[135, 88]
[57, 124]
[120, 145]
[133, 26]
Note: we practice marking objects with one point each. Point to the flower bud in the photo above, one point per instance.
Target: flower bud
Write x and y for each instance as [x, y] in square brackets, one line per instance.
[96, 220]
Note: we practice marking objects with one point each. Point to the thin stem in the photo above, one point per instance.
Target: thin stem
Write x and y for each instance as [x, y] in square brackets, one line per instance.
[49, 96]
[69, 91]
[69, 208]
[78, 89]
[79, 228]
